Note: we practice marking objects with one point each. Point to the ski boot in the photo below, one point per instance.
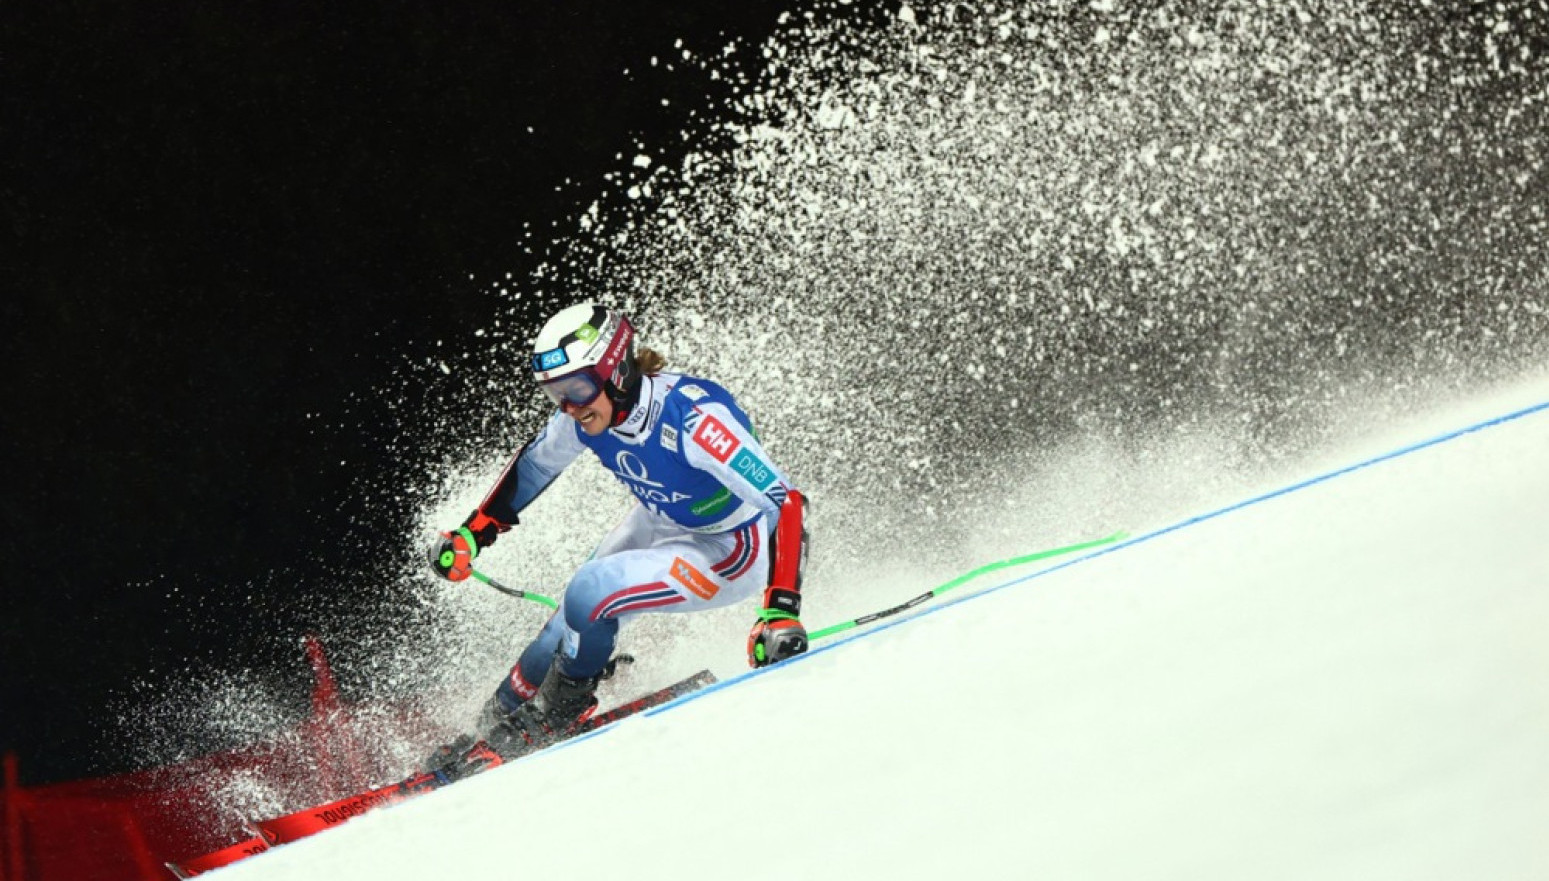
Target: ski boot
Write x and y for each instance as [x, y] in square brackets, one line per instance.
[468, 754]
[548, 717]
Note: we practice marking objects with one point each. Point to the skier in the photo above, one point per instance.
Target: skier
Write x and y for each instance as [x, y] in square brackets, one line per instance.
[716, 522]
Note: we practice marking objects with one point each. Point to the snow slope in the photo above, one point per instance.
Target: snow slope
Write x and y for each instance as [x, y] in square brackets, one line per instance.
[1346, 680]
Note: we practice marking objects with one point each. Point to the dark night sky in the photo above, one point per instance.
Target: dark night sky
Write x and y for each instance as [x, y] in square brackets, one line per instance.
[221, 218]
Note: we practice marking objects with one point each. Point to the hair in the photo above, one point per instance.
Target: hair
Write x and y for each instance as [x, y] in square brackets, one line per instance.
[650, 360]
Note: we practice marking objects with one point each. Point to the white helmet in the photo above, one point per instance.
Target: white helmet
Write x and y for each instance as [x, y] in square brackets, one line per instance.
[584, 351]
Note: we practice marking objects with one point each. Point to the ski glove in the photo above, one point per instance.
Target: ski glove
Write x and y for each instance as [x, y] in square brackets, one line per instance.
[775, 637]
[778, 633]
[452, 553]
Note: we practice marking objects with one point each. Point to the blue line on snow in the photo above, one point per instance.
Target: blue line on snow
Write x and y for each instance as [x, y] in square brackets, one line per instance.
[1313, 481]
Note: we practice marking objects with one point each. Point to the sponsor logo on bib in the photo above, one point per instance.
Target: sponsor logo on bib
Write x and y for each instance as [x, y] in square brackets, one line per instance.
[754, 469]
[712, 505]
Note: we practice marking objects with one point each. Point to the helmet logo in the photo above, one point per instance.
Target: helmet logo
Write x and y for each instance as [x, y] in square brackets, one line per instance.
[545, 361]
[586, 333]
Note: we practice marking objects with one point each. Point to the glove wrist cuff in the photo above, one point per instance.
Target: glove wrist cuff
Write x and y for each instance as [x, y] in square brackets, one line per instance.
[480, 530]
[472, 539]
[480, 521]
[767, 615]
[781, 600]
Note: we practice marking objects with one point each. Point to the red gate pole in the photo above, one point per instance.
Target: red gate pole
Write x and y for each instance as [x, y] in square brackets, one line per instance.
[333, 740]
[149, 871]
[325, 701]
[13, 822]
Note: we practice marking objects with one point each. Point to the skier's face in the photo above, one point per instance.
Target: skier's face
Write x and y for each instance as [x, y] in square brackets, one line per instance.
[594, 417]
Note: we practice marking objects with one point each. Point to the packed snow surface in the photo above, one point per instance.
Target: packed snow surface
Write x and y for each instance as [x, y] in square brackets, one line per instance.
[1346, 680]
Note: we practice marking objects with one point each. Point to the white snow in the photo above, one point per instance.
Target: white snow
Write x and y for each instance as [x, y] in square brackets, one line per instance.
[1349, 680]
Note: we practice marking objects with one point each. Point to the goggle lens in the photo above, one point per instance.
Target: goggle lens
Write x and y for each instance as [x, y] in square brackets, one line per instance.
[579, 389]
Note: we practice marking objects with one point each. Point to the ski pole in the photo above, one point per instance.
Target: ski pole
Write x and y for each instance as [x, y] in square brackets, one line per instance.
[960, 580]
[515, 592]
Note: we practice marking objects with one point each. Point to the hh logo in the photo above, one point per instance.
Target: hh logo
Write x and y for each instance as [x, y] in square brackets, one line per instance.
[693, 579]
[716, 440]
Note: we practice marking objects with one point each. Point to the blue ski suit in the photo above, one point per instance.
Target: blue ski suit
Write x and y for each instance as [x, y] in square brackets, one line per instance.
[709, 498]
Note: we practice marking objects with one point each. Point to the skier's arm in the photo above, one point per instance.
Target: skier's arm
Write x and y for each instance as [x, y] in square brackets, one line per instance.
[720, 444]
[528, 475]
[778, 633]
[531, 471]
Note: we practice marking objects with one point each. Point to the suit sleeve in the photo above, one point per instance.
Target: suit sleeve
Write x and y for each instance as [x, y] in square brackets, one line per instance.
[720, 444]
[534, 468]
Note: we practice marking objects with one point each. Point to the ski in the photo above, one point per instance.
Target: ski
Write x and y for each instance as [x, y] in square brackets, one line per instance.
[216, 859]
[702, 679]
[477, 758]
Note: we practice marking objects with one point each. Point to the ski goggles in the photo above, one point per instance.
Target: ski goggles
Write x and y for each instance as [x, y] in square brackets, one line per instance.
[579, 388]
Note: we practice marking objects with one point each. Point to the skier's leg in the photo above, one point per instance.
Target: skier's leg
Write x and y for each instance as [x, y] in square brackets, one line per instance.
[638, 529]
[525, 677]
[644, 565]
[678, 572]
[675, 571]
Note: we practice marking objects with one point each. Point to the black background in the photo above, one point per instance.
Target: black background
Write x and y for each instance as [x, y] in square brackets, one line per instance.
[227, 226]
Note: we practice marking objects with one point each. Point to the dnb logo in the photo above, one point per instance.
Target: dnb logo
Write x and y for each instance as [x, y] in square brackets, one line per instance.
[754, 469]
[715, 439]
[685, 574]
